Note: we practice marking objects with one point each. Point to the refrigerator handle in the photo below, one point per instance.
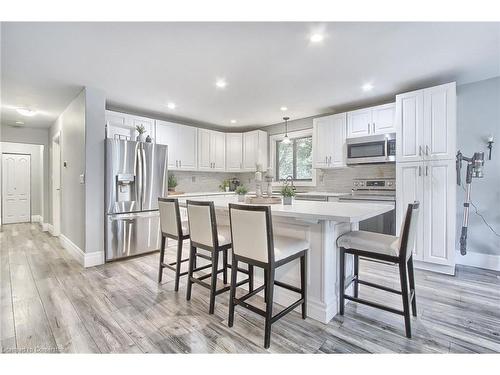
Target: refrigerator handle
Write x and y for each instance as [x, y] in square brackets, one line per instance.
[144, 177]
[139, 177]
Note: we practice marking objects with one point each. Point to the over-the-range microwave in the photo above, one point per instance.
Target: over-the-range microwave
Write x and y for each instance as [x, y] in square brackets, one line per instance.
[372, 149]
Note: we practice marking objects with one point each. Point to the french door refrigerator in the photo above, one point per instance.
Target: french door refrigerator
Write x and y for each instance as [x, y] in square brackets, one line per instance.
[136, 175]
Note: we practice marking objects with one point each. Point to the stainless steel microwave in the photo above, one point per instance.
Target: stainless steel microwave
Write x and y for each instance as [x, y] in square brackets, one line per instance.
[372, 149]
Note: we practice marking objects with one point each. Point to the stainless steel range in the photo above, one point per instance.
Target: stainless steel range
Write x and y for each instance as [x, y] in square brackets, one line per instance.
[375, 191]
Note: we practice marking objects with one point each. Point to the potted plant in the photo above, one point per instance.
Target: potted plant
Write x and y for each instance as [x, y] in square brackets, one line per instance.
[287, 192]
[142, 133]
[172, 182]
[224, 186]
[241, 192]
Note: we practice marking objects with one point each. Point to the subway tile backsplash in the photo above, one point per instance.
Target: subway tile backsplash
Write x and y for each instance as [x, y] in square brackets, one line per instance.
[195, 182]
[340, 180]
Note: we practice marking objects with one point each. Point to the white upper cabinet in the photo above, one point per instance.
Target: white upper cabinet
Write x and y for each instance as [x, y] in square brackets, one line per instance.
[234, 152]
[370, 121]
[426, 124]
[122, 125]
[329, 134]
[359, 123]
[182, 144]
[254, 150]
[211, 150]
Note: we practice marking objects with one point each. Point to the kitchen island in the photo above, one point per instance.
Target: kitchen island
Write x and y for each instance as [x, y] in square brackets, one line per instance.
[319, 223]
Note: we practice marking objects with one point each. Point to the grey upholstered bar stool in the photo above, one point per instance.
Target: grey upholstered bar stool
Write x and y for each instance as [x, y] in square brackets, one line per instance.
[206, 235]
[397, 250]
[172, 227]
[255, 245]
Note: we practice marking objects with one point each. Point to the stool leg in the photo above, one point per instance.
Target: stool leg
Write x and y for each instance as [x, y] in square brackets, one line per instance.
[411, 278]
[192, 255]
[341, 280]
[250, 278]
[178, 264]
[162, 256]
[356, 274]
[269, 306]
[303, 284]
[232, 292]
[224, 267]
[265, 283]
[213, 285]
[405, 297]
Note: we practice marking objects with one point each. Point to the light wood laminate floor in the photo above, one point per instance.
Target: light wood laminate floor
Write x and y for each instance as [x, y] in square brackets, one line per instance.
[49, 303]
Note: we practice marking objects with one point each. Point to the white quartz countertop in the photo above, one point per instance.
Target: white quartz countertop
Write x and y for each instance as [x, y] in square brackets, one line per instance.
[311, 210]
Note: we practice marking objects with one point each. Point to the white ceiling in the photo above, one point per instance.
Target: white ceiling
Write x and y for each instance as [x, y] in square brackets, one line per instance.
[142, 66]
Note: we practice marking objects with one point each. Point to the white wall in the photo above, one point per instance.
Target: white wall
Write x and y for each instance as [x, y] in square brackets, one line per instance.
[37, 172]
[478, 109]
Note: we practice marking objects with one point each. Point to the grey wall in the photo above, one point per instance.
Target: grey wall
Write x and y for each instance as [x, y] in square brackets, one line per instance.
[36, 137]
[94, 169]
[478, 106]
[71, 124]
[37, 171]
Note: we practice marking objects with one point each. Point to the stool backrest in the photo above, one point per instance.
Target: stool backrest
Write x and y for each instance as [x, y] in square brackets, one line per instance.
[252, 232]
[170, 217]
[408, 237]
[202, 224]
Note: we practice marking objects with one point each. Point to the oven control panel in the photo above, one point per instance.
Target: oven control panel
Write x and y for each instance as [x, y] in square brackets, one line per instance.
[374, 184]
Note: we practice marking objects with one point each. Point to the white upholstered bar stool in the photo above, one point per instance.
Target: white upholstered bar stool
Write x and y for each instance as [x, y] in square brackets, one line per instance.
[172, 227]
[255, 245]
[206, 235]
[397, 250]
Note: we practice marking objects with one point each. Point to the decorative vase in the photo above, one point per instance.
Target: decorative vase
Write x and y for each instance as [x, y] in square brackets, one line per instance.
[171, 189]
[141, 138]
[287, 200]
[241, 197]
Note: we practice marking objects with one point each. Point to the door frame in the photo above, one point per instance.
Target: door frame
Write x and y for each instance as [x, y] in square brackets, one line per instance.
[2, 187]
[56, 192]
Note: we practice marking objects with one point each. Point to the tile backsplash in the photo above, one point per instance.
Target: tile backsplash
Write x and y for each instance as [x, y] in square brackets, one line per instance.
[340, 180]
[194, 182]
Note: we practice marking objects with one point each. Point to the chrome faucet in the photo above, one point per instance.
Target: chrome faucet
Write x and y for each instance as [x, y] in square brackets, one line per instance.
[289, 179]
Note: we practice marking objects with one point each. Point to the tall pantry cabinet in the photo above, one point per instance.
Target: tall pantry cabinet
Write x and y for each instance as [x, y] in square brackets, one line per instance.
[425, 171]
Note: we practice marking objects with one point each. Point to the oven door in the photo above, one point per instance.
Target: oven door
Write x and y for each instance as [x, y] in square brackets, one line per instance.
[372, 149]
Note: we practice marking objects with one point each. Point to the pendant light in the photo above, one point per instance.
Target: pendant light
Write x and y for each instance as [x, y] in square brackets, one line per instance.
[286, 140]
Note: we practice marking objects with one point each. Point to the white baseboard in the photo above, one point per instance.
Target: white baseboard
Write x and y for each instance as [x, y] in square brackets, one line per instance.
[45, 227]
[85, 259]
[433, 267]
[36, 219]
[479, 260]
[50, 228]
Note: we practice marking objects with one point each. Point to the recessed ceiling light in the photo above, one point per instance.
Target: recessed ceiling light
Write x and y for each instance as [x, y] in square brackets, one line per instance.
[221, 83]
[316, 38]
[284, 108]
[233, 121]
[171, 105]
[26, 112]
[19, 122]
[367, 87]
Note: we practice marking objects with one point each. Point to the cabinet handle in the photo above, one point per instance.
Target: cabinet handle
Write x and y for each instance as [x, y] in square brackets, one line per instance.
[420, 150]
[368, 128]
[426, 170]
[419, 171]
[330, 160]
[373, 128]
[180, 163]
[426, 150]
[177, 163]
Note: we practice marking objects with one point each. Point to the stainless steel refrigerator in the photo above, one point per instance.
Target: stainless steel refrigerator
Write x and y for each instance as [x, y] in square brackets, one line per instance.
[136, 175]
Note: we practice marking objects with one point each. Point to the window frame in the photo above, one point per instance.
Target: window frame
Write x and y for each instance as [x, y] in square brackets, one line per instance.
[273, 153]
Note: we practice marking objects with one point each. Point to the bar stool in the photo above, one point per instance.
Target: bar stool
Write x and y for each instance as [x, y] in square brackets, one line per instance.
[255, 245]
[397, 250]
[172, 227]
[206, 235]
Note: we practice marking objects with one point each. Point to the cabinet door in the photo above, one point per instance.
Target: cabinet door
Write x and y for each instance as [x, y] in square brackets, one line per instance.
[262, 149]
[359, 123]
[439, 211]
[218, 150]
[440, 122]
[250, 147]
[187, 147]
[204, 161]
[119, 126]
[167, 134]
[383, 119]
[409, 188]
[322, 141]
[234, 152]
[338, 145]
[409, 126]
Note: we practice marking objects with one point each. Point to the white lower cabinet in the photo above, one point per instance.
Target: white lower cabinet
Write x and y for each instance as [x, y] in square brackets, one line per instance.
[432, 183]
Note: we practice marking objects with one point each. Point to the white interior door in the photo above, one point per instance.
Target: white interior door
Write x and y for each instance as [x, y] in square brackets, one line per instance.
[16, 188]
